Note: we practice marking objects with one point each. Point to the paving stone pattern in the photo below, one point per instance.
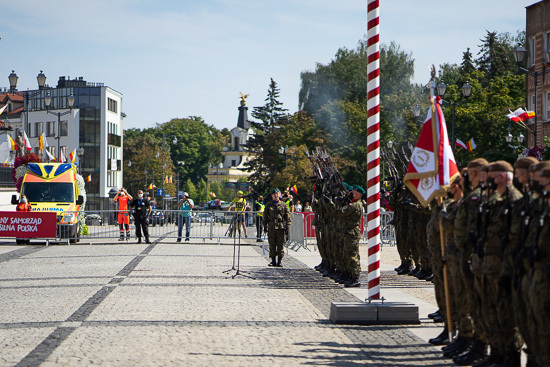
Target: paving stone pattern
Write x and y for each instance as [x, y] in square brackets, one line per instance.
[181, 305]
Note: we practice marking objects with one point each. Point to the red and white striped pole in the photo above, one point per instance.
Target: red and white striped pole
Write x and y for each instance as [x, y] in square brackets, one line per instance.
[373, 149]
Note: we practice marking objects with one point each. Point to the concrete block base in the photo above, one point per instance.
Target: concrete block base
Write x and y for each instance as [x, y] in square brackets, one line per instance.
[388, 313]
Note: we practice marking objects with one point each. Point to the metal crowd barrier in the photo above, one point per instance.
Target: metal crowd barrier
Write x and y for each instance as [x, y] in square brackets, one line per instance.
[214, 226]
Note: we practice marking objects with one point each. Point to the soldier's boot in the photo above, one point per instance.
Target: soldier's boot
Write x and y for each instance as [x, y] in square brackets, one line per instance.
[494, 359]
[279, 258]
[434, 314]
[406, 270]
[415, 271]
[335, 275]
[273, 262]
[442, 338]
[329, 270]
[352, 283]
[476, 353]
[398, 269]
[457, 345]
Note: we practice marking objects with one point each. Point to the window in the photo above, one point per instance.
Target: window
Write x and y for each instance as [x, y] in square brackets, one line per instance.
[547, 105]
[38, 129]
[112, 105]
[50, 128]
[233, 163]
[531, 106]
[545, 46]
[64, 128]
[531, 57]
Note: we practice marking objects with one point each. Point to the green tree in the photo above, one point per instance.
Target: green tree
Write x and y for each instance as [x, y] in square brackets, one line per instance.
[263, 145]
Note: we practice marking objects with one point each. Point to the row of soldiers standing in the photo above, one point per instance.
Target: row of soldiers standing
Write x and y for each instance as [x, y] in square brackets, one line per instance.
[496, 223]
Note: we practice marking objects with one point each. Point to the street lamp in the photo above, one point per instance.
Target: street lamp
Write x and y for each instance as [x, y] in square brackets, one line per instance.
[70, 102]
[41, 79]
[416, 111]
[13, 81]
[466, 91]
[519, 54]
[80, 154]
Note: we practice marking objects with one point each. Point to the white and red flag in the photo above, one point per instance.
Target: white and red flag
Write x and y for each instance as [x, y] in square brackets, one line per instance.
[432, 166]
[27, 142]
[520, 115]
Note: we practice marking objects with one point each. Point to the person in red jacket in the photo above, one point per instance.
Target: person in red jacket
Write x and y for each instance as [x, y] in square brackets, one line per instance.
[23, 206]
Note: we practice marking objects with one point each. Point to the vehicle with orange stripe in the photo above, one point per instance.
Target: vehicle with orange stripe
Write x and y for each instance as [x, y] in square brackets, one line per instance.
[54, 187]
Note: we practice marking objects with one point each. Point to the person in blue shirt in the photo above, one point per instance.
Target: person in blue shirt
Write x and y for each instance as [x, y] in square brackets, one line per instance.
[185, 207]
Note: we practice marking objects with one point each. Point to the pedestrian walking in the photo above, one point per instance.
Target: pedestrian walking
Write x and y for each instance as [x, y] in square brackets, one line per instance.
[122, 198]
[142, 209]
[185, 206]
[276, 220]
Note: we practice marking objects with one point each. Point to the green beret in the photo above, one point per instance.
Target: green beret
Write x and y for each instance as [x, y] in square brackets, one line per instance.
[275, 190]
[501, 166]
[358, 189]
[347, 187]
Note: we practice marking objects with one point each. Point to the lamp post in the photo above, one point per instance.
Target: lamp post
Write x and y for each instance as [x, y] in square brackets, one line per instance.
[70, 103]
[466, 91]
[80, 154]
[519, 54]
[416, 111]
[41, 79]
[509, 137]
[175, 141]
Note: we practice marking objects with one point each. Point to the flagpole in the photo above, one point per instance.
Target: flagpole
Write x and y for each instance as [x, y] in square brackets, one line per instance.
[373, 150]
[441, 230]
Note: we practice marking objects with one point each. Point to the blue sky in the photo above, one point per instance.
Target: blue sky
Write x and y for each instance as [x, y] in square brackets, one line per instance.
[173, 59]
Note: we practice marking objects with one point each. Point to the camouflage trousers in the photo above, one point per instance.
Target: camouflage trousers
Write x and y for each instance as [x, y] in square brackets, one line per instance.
[351, 264]
[276, 239]
[456, 286]
[539, 303]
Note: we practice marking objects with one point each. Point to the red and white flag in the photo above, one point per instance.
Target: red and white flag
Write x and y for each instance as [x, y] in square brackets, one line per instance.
[27, 142]
[460, 143]
[520, 115]
[432, 166]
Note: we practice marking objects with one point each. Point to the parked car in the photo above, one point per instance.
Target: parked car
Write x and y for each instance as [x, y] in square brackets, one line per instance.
[93, 219]
[199, 217]
[156, 217]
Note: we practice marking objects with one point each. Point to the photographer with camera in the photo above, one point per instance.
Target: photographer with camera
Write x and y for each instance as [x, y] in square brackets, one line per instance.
[123, 198]
[185, 207]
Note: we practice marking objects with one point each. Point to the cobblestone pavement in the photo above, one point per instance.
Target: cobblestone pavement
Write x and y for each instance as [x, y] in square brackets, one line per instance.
[173, 305]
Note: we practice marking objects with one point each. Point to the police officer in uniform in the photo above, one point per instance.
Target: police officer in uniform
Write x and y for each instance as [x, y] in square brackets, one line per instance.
[276, 220]
[142, 209]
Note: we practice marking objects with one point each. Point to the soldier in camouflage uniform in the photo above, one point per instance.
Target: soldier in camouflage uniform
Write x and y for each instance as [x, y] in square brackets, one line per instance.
[401, 222]
[494, 294]
[468, 346]
[434, 246]
[529, 267]
[276, 221]
[539, 294]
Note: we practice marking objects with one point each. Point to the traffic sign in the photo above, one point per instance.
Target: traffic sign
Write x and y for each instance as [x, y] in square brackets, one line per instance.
[160, 192]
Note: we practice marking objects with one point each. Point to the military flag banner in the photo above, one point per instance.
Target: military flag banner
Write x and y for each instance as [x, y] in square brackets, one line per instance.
[432, 166]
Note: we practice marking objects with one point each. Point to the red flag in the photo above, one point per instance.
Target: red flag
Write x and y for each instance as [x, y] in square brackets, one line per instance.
[432, 166]
[294, 189]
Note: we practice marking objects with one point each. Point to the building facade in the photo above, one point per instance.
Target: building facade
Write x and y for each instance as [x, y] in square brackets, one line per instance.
[95, 123]
[537, 36]
[234, 156]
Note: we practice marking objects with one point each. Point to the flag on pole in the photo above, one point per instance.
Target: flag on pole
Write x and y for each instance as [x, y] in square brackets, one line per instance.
[432, 166]
[27, 142]
[151, 187]
[89, 178]
[3, 108]
[520, 115]
[12, 143]
[294, 189]
[50, 156]
[62, 157]
[471, 145]
[72, 156]
[42, 142]
[170, 180]
[461, 144]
